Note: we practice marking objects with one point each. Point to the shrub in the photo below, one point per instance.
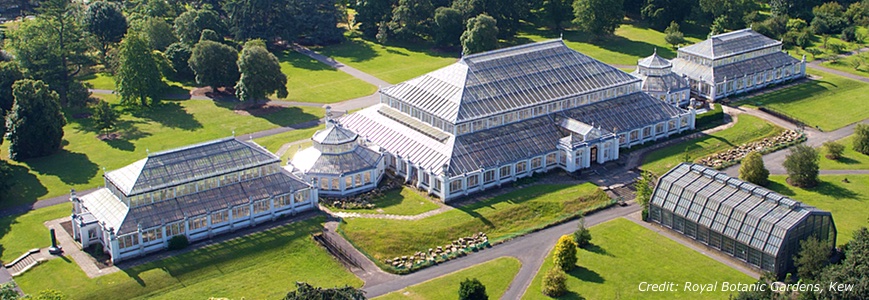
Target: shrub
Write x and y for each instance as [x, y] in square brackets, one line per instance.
[178, 242]
[582, 236]
[565, 253]
[472, 289]
[753, 170]
[861, 138]
[554, 282]
[802, 166]
[834, 149]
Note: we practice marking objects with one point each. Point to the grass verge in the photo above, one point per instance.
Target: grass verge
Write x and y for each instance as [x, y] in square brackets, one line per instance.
[495, 274]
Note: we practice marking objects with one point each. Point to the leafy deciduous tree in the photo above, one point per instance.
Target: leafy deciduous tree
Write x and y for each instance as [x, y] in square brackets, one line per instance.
[260, 73]
[35, 123]
[802, 166]
[159, 33]
[834, 149]
[813, 256]
[753, 170]
[305, 291]
[565, 253]
[372, 14]
[673, 35]
[660, 13]
[829, 18]
[212, 64]
[861, 138]
[106, 22]
[852, 270]
[411, 18]
[481, 35]
[9, 73]
[448, 26]
[558, 13]
[104, 116]
[138, 79]
[190, 24]
[472, 289]
[178, 55]
[729, 14]
[598, 17]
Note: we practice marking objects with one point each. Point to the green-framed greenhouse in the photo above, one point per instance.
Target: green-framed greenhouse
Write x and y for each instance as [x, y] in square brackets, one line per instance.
[743, 220]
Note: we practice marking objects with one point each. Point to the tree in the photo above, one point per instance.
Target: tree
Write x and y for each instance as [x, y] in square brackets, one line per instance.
[50, 295]
[813, 257]
[598, 17]
[52, 47]
[35, 123]
[753, 170]
[9, 73]
[829, 18]
[481, 35]
[472, 289]
[190, 24]
[305, 291]
[267, 20]
[7, 290]
[448, 26]
[104, 116]
[849, 34]
[565, 253]
[138, 79]
[260, 73]
[802, 166]
[318, 20]
[554, 282]
[211, 63]
[582, 236]
[834, 149]
[507, 14]
[673, 36]
[660, 13]
[411, 18]
[371, 15]
[106, 22]
[558, 13]
[851, 270]
[158, 33]
[178, 55]
[210, 35]
[644, 189]
[861, 138]
[730, 14]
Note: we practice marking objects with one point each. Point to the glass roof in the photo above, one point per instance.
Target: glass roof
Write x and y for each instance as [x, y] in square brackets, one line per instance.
[730, 43]
[313, 162]
[734, 70]
[745, 212]
[177, 166]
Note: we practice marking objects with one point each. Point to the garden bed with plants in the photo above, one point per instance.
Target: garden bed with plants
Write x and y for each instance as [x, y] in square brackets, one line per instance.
[734, 155]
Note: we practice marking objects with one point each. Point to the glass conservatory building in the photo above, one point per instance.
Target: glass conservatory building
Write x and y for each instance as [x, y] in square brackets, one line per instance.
[735, 62]
[740, 219]
[660, 81]
[196, 191]
[339, 162]
[496, 116]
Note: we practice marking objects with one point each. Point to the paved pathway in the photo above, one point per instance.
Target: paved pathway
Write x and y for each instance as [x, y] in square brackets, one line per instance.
[340, 66]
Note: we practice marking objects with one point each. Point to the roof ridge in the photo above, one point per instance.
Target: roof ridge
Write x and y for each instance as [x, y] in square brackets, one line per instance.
[188, 147]
[500, 50]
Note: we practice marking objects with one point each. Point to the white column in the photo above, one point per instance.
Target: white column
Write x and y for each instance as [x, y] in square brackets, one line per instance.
[586, 157]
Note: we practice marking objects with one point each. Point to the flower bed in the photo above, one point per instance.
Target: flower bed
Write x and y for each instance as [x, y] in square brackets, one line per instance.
[733, 156]
[367, 200]
[458, 248]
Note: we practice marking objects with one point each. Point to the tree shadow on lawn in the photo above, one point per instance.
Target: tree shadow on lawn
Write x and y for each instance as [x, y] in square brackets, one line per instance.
[597, 250]
[585, 274]
[845, 160]
[169, 114]
[783, 189]
[832, 190]
[802, 91]
[180, 263]
[70, 167]
[301, 61]
[354, 49]
[613, 43]
[25, 190]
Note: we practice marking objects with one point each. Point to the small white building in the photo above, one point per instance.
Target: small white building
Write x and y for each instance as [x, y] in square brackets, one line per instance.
[197, 191]
[339, 162]
[661, 82]
[735, 62]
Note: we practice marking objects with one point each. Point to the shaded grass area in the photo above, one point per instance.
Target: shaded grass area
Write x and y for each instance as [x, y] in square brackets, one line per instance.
[262, 265]
[168, 125]
[501, 217]
[105, 81]
[850, 160]
[625, 254]
[849, 202]
[394, 62]
[846, 64]
[829, 103]
[403, 201]
[23, 232]
[630, 43]
[308, 80]
[495, 275]
[747, 128]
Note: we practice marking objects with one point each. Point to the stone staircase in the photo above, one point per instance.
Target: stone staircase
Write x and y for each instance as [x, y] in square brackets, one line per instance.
[24, 262]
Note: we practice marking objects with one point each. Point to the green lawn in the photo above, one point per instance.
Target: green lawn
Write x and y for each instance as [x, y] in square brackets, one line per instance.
[747, 128]
[829, 102]
[845, 64]
[24, 232]
[262, 265]
[104, 81]
[630, 43]
[172, 124]
[496, 275]
[404, 201]
[394, 62]
[274, 142]
[849, 202]
[625, 254]
[309, 80]
[500, 217]
[850, 160]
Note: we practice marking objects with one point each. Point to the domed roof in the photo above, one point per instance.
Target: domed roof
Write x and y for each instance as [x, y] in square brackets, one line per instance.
[654, 61]
[334, 134]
